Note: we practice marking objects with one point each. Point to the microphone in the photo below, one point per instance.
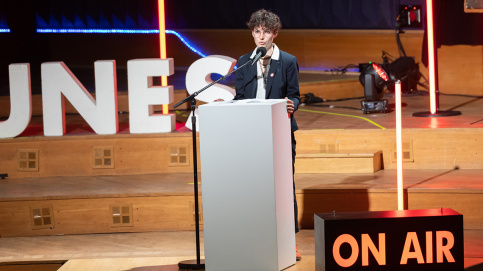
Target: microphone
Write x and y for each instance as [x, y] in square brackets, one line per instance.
[261, 52]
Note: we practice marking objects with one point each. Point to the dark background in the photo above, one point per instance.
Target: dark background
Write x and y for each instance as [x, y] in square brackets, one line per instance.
[24, 45]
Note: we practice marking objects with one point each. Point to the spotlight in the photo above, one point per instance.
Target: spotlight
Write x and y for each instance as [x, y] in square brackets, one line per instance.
[374, 79]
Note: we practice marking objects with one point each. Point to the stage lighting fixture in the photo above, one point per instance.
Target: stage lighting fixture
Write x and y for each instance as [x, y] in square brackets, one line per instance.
[410, 16]
[406, 70]
[375, 80]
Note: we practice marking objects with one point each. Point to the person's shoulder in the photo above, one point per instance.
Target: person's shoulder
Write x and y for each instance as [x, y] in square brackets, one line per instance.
[287, 57]
[245, 56]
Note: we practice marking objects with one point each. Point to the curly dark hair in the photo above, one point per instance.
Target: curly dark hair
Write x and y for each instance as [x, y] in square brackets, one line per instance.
[266, 19]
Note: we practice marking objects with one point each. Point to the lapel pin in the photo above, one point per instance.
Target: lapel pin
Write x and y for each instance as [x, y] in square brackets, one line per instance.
[272, 74]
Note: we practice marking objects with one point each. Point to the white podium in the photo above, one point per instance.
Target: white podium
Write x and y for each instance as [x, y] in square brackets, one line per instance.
[247, 187]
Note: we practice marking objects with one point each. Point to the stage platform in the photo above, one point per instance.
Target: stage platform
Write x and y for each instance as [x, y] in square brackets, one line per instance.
[443, 169]
[447, 151]
[164, 202]
[332, 126]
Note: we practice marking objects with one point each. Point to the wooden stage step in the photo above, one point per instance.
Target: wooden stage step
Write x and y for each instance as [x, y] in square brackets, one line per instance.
[164, 202]
[132, 154]
[147, 180]
[99, 204]
[341, 162]
[461, 190]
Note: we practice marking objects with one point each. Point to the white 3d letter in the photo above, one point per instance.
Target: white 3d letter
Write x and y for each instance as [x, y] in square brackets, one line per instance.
[143, 96]
[20, 101]
[99, 113]
[198, 76]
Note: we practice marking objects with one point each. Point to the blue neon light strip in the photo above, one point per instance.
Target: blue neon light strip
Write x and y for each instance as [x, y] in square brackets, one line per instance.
[185, 42]
[4, 30]
[123, 31]
[100, 31]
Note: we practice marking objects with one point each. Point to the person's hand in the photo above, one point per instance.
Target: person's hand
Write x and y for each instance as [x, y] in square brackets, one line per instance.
[219, 100]
[290, 107]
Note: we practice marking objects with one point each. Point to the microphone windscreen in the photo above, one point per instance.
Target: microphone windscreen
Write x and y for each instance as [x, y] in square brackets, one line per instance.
[262, 51]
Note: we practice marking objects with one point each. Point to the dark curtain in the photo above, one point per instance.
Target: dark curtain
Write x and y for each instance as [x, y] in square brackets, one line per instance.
[206, 14]
[306, 14]
[452, 26]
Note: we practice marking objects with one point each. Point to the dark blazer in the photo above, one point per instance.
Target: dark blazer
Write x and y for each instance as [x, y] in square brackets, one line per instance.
[283, 81]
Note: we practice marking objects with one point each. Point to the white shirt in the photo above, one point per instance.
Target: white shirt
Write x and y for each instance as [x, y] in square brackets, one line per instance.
[261, 87]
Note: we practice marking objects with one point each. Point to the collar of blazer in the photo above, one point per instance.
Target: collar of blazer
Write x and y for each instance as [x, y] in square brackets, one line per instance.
[271, 73]
[275, 54]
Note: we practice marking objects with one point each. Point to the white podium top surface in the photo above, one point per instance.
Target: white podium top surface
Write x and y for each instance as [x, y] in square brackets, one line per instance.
[245, 102]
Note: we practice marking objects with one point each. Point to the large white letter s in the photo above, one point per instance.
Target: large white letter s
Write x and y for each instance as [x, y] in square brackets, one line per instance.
[198, 76]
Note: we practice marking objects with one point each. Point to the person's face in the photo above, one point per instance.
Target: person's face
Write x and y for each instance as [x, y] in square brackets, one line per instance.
[263, 37]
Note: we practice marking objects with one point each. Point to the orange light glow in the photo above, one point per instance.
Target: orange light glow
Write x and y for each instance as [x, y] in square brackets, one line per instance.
[431, 59]
[434, 123]
[443, 251]
[400, 185]
[416, 253]
[349, 239]
[379, 254]
[380, 71]
[162, 45]
[429, 247]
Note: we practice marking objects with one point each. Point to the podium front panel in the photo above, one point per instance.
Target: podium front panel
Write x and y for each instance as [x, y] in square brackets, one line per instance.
[247, 186]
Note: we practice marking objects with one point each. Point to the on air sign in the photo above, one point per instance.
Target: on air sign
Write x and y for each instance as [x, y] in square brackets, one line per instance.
[389, 240]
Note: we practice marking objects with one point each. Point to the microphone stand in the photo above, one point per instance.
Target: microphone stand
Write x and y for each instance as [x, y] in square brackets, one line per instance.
[192, 96]
[198, 263]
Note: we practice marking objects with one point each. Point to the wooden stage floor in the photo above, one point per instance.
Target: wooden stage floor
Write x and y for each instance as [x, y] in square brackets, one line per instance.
[160, 251]
[348, 114]
[169, 184]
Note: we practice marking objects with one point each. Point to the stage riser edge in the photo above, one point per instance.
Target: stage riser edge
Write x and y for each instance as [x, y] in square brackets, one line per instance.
[446, 148]
[146, 154]
[465, 202]
[175, 213]
[94, 215]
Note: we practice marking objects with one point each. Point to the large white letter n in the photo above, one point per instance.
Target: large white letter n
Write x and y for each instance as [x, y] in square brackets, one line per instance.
[99, 113]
